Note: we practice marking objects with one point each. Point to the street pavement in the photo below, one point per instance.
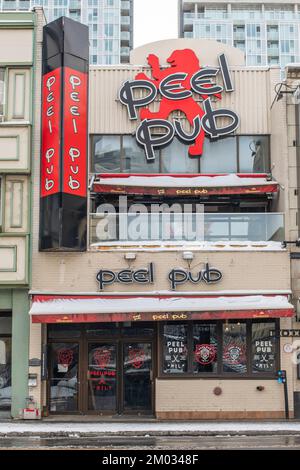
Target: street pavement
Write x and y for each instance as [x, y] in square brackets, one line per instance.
[267, 442]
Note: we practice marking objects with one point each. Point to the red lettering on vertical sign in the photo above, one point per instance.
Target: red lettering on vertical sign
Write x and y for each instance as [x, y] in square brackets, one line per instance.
[51, 109]
[75, 133]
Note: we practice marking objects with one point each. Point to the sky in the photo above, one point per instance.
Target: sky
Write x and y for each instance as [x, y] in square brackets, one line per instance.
[154, 20]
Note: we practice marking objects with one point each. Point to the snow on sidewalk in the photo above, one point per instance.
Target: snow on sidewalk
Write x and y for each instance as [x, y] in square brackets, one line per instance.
[35, 427]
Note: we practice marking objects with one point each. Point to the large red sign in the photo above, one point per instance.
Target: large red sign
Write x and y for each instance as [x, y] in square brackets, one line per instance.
[75, 133]
[63, 202]
[178, 86]
[51, 120]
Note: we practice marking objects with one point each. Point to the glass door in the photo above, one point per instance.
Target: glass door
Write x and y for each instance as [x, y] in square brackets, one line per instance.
[5, 373]
[137, 376]
[64, 373]
[102, 377]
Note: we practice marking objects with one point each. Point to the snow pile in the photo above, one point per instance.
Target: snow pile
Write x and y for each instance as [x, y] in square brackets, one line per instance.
[190, 182]
[98, 305]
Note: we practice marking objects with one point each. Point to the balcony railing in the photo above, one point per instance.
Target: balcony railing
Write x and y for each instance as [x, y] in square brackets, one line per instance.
[125, 20]
[75, 5]
[125, 5]
[185, 227]
[9, 5]
[125, 36]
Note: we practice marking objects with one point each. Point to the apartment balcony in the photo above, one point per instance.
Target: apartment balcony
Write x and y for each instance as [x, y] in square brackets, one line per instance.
[125, 51]
[125, 23]
[125, 8]
[75, 5]
[193, 228]
[125, 38]
[239, 36]
[273, 51]
[272, 35]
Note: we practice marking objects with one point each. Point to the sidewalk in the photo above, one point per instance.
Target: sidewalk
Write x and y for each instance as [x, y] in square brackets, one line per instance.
[177, 428]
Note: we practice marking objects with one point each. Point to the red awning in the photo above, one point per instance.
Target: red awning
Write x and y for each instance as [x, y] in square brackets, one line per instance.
[184, 184]
[80, 309]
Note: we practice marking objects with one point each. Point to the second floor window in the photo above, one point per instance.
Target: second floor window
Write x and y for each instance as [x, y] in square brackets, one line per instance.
[238, 154]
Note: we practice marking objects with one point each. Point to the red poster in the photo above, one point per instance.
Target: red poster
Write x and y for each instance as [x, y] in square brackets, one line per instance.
[51, 109]
[75, 133]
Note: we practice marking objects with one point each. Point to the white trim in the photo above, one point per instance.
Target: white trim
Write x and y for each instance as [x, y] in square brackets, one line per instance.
[166, 292]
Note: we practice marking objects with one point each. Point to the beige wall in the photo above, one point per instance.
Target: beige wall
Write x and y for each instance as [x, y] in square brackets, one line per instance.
[20, 48]
[69, 272]
[16, 57]
[109, 116]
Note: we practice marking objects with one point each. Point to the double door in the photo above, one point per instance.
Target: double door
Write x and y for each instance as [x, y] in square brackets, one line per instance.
[101, 377]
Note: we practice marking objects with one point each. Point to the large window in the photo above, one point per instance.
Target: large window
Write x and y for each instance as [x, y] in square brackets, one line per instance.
[239, 154]
[220, 348]
[5, 361]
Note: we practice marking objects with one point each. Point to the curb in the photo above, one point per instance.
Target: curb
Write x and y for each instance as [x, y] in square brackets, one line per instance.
[144, 434]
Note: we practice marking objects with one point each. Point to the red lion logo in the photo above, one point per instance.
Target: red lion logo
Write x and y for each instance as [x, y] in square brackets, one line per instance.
[136, 358]
[65, 357]
[180, 61]
[102, 357]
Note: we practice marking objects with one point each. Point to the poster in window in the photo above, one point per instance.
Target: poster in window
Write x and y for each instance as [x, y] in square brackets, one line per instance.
[175, 349]
[205, 348]
[263, 347]
[234, 348]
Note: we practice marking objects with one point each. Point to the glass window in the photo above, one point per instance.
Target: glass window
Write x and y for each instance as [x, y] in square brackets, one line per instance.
[234, 348]
[134, 160]
[5, 361]
[205, 348]
[2, 92]
[64, 377]
[219, 156]
[175, 351]
[102, 376]
[254, 154]
[64, 331]
[263, 347]
[114, 153]
[106, 151]
[5, 323]
[175, 159]
[192, 348]
[5, 373]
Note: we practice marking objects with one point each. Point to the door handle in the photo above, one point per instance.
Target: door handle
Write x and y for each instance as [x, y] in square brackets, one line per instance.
[151, 375]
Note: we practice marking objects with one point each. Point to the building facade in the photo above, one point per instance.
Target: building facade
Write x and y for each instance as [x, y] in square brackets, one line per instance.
[17, 98]
[266, 31]
[132, 309]
[110, 23]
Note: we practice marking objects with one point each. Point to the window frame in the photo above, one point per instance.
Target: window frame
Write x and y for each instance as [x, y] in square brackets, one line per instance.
[159, 154]
[249, 375]
[5, 72]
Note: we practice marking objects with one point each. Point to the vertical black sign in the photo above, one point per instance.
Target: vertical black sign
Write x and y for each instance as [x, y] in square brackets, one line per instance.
[63, 182]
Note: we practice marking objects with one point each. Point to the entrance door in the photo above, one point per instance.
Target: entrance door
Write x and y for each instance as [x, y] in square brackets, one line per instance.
[64, 373]
[101, 368]
[102, 377]
[137, 377]
[119, 377]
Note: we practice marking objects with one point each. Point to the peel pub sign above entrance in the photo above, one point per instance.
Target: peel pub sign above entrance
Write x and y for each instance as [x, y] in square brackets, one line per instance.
[178, 86]
[176, 277]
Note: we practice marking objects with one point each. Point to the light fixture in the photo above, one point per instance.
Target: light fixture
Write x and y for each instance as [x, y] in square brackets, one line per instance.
[130, 256]
[188, 255]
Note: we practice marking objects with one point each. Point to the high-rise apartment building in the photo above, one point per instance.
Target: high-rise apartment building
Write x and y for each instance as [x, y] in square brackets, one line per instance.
[110, 23]
[267, 31]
